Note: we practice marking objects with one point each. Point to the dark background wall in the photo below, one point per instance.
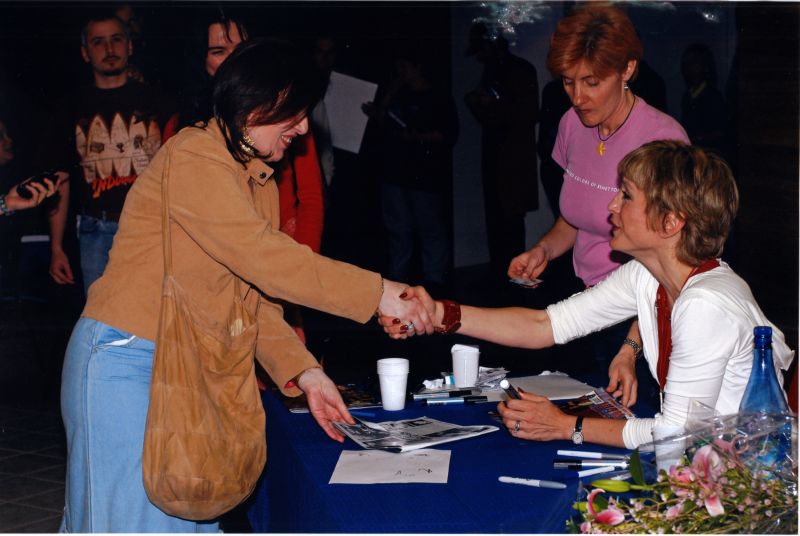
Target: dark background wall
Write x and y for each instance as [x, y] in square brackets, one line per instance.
[756, 48]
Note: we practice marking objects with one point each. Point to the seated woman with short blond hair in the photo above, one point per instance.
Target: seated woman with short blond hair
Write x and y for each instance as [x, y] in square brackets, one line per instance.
[672, 213]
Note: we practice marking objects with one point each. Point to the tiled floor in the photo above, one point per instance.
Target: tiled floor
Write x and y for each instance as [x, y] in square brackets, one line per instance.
[32, 452]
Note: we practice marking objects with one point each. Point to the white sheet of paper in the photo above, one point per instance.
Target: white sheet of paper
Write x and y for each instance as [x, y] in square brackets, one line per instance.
[343, 102]
[427, 466]
[553, 386]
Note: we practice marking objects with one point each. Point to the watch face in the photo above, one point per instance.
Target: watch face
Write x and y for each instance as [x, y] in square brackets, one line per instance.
[577, 437]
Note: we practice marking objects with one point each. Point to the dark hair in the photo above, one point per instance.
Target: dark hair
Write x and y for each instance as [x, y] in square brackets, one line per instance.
[700, 54]
[196, 97]
[603, 35]
[270, 79]
[695, 184]
[101, 15]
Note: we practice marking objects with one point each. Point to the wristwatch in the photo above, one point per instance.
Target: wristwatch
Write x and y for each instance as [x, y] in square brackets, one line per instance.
[577, 433]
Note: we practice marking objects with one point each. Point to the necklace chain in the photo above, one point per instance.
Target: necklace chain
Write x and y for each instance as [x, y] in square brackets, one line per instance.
[601, 147]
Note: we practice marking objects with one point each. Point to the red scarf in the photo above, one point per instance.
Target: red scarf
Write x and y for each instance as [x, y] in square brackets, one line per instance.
[664, 312]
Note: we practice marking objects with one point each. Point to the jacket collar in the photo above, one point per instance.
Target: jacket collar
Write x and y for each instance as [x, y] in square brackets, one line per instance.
[255, 168]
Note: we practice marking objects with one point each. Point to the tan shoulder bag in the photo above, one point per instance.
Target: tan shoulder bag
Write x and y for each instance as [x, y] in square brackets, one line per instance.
[204, 443]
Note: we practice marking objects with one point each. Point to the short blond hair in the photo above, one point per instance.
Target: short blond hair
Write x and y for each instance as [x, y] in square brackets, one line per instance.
[694, 184]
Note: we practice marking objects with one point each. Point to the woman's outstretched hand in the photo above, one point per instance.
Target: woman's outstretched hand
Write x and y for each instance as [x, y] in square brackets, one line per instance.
[397, 328]
[324, 401]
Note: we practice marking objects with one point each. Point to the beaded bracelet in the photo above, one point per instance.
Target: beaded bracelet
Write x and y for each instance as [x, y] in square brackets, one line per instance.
[637, 349]
[3, 207]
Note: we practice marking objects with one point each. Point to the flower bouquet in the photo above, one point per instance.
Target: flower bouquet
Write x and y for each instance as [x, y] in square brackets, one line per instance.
[729, 481]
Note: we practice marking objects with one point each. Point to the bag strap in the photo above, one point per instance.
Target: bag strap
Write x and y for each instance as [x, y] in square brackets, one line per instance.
[166, 235]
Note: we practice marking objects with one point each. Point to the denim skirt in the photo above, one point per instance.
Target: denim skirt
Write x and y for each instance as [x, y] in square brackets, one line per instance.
[105, 391]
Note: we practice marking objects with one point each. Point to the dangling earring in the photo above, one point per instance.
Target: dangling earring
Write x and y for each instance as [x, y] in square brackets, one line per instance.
[247, 144]
[625, 86]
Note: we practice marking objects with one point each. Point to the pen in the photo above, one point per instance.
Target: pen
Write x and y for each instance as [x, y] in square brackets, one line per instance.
[532, 482]
[509, 389]
[593, 455]
[443, 394]
[585, 464]
[462, 400]
[597, 471]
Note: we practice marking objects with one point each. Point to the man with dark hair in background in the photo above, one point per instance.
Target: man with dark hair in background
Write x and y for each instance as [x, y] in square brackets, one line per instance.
[506, 104]
[109, 132]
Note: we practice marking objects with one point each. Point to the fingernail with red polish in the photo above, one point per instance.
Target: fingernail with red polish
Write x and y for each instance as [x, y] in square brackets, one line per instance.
[396, 321]
[403, 329]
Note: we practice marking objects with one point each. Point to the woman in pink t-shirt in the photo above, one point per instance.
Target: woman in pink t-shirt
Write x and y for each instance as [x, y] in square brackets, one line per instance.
[596, 52]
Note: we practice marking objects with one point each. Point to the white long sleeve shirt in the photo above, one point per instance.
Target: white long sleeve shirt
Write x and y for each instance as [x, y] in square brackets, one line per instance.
[712, 337]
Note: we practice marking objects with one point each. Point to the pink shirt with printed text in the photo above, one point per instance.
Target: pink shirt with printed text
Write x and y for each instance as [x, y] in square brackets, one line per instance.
[590, 180]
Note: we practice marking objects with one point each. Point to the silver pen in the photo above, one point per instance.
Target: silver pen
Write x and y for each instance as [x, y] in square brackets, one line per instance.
[532, 482]
[592, 455]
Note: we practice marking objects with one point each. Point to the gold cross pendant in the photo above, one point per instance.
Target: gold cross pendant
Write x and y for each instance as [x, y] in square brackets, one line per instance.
[601, 148]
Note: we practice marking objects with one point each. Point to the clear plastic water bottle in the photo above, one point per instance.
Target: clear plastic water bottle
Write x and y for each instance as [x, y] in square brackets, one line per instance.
[763, 410]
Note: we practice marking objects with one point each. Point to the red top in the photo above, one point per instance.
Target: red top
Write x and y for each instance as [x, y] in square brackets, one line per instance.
[300, 192]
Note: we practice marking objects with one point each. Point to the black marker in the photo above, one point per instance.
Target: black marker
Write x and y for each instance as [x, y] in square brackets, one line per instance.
[510, 390]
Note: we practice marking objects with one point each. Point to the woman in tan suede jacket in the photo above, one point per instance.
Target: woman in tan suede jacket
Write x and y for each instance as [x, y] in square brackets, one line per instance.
[223, 208]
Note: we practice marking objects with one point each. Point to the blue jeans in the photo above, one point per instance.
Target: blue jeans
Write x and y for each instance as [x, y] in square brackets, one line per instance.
[95, 237]
[409, 214]
[105, 392]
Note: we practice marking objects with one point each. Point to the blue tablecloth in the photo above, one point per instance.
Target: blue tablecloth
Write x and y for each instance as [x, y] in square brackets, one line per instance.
[294, 495]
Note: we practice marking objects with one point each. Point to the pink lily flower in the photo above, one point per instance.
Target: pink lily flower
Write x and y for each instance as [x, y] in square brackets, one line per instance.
[610, 516]
[707, 465]
[681, 475]
[714, 505]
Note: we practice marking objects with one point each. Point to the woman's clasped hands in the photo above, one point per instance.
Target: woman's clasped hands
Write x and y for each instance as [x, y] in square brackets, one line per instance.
[408, 312]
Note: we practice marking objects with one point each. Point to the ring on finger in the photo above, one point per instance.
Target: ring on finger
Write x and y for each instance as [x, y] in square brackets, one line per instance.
[410, 325]
[516, 427]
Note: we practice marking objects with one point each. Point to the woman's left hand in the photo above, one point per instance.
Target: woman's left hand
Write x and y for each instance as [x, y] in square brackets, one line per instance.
[324, 401]
[535, 417]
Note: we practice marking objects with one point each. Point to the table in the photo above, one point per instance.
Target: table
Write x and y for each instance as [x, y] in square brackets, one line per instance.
[294, 495]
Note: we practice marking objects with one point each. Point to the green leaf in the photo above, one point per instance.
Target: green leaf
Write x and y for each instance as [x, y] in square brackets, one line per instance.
[636, 468]
[600, 503]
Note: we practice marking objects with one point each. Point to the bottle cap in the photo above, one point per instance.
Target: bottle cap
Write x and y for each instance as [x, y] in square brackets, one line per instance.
[762, 331]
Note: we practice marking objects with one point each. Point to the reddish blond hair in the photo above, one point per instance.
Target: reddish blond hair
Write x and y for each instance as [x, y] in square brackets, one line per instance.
[603, 35]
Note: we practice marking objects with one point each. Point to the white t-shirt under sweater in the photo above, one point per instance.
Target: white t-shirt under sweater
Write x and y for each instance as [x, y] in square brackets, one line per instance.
[712, 336]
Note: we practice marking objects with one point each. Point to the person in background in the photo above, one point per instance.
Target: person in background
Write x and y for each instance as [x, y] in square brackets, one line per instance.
[223, 206]
[113, 128]
[506, 104]
[596, 52]
[325, 52]
[416, 126]
[672, 213]
[299, 176]
[704, 114]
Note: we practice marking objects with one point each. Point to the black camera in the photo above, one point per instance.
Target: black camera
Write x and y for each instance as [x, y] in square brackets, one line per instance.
[25, 193]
